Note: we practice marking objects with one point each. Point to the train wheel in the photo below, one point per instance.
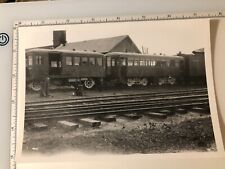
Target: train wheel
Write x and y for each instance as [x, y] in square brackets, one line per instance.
[144, 82]
[130, 82]
[35, 86]
[171, 81]
[89, 83]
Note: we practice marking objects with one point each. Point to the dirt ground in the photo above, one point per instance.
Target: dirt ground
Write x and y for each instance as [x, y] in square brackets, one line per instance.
[177, 133]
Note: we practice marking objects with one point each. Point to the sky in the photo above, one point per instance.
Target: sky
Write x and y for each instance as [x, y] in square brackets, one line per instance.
[167, 37]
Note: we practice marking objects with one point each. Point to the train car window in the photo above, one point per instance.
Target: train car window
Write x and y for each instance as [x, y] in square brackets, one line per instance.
[99, 61]
[69, 61]
[153, 63]
[39, 60]
[54, 64]
[148, 63]
[26, 61]
[60, 64]
[108, 61]
[130, 62]
[124, 62]
[113, 62]
[161, 64]
[167, 64]
[76, 61]
[136, 62]
[84, 60]
[91, 61]
[141, 63]
[29, 60]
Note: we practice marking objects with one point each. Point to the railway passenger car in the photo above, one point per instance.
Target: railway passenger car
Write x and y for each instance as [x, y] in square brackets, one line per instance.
[134, 68]
[63, 67]
[66, 67]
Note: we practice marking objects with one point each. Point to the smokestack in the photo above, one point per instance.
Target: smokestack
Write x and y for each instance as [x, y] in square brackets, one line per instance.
[59, 37]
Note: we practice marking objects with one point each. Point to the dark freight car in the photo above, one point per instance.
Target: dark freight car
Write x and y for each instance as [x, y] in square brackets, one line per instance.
[133, 68]
[194, 67]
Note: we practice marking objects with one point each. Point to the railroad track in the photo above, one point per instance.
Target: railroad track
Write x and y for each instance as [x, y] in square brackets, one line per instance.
[111, 98]
[116, 104]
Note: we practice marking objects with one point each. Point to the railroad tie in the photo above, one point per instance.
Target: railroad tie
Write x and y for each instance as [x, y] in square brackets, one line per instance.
[156, 115]
[167, 112]
[108, 118]
[68, 125]
[200, 109]
[132, 116]
[39, 126]
[181, 111]
[90, 122]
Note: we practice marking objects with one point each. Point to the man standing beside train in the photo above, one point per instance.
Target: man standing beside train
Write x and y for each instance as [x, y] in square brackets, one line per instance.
[44, 92]
[47, 79]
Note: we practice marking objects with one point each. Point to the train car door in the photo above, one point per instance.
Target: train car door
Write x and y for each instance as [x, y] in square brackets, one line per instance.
[161, 69]
[55, 64]
[119, 67]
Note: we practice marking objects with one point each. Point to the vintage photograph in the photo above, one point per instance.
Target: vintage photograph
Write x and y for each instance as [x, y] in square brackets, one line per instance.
[117, 88]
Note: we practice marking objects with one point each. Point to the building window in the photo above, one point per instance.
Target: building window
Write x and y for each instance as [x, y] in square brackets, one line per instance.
[92, 61]
[99, 61]
[76, 61]
[39, 60]
[69, 61]
[84, 60]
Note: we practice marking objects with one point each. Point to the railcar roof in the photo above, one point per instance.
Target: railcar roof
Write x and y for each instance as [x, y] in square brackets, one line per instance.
[63, 51]
[143, 55]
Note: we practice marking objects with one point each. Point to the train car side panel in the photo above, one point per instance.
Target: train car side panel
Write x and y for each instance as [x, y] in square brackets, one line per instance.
[197, 65]
[83, 66]
[37, 66]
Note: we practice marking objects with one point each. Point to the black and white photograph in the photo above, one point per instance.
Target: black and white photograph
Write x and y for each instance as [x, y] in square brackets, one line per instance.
[117, 88]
